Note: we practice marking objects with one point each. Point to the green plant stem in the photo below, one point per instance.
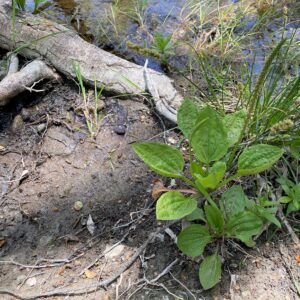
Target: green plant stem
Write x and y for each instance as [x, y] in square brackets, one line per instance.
[226, 181]
[200, 188]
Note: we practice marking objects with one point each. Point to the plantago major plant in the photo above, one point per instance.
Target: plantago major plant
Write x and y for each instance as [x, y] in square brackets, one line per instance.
[232, 216]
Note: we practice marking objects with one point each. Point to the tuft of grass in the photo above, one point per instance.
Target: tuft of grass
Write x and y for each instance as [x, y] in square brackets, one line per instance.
[272, 100]
[22, 3]
[91, 113]
[138, 12]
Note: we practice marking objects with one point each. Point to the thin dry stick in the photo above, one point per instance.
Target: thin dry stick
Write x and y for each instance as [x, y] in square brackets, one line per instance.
[164, 272]
[103, 254]
[184, 286]
[288, 227]
[144, 282]
[283, 252]
[117, 286]
[54, 263]
[91, 288]
[28, 276]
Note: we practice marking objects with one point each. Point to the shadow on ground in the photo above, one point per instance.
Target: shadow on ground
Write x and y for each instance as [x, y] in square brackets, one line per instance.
[44, 172]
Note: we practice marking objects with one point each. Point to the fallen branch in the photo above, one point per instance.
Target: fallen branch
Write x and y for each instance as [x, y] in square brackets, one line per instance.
[15, 83]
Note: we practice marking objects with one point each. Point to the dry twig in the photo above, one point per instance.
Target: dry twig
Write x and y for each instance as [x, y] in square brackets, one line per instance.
[288, 227]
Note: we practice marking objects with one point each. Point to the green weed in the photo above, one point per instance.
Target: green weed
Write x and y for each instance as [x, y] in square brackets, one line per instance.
[164, 46]
[138, 12]
[233, 216]
[21, 3]
[90, 111]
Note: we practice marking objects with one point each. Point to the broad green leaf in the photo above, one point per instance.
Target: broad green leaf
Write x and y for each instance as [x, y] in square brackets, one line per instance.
[214, 177]
[187, 117]
[233, 201]
[193, 239]
[174, 205]
[214, 218]
[197, 214]
[295, 152]
[209, 139]
[234, 124]
[264, 213]
[161, 158]
[286, 184]
[293, 206]
[244, 226]
[264, 202]
[258, 158]
[196, 169]
[284, 200]
[210, 271]
[297, 190]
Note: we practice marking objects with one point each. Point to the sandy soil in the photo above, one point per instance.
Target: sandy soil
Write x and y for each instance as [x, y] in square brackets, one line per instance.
[45, 169]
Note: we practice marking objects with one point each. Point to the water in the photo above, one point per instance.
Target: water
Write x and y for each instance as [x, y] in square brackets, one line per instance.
[111, 26]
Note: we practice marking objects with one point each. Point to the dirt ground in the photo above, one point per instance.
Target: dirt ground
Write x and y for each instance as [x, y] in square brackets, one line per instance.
[48, 162]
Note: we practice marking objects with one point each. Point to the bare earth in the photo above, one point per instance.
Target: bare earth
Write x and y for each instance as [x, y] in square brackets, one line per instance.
[44, 172]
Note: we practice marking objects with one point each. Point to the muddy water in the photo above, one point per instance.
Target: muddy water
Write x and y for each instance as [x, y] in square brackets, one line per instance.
[126, 26]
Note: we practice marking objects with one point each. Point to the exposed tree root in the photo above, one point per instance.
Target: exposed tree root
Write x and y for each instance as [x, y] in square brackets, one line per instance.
[15, 83]
[34, 37]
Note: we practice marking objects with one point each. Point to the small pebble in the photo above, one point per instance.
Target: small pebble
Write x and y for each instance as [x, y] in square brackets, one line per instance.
[17, 124]
[78, 205]
[31, 281]
[25, 113]
[41, 127]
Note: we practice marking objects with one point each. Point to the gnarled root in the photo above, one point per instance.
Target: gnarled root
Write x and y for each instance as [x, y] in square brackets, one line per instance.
[15, 83]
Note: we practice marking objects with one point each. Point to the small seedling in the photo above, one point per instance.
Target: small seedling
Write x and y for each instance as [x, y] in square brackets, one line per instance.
[292, 194]
[91, 112]
[163, 46]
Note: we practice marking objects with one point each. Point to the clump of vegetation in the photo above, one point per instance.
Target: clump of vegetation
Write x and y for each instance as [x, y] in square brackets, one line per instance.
[142, 50]
[220, 150]
[138, 12]
[163, 46]
[21, 3]
[292, 194]
[90, 109]
[233, 215]
[273, 103]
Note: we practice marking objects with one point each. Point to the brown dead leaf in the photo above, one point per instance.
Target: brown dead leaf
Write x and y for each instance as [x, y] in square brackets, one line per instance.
[158, 189]
[61, 270]
[90, 274]
[298, 259]
[2, 243]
